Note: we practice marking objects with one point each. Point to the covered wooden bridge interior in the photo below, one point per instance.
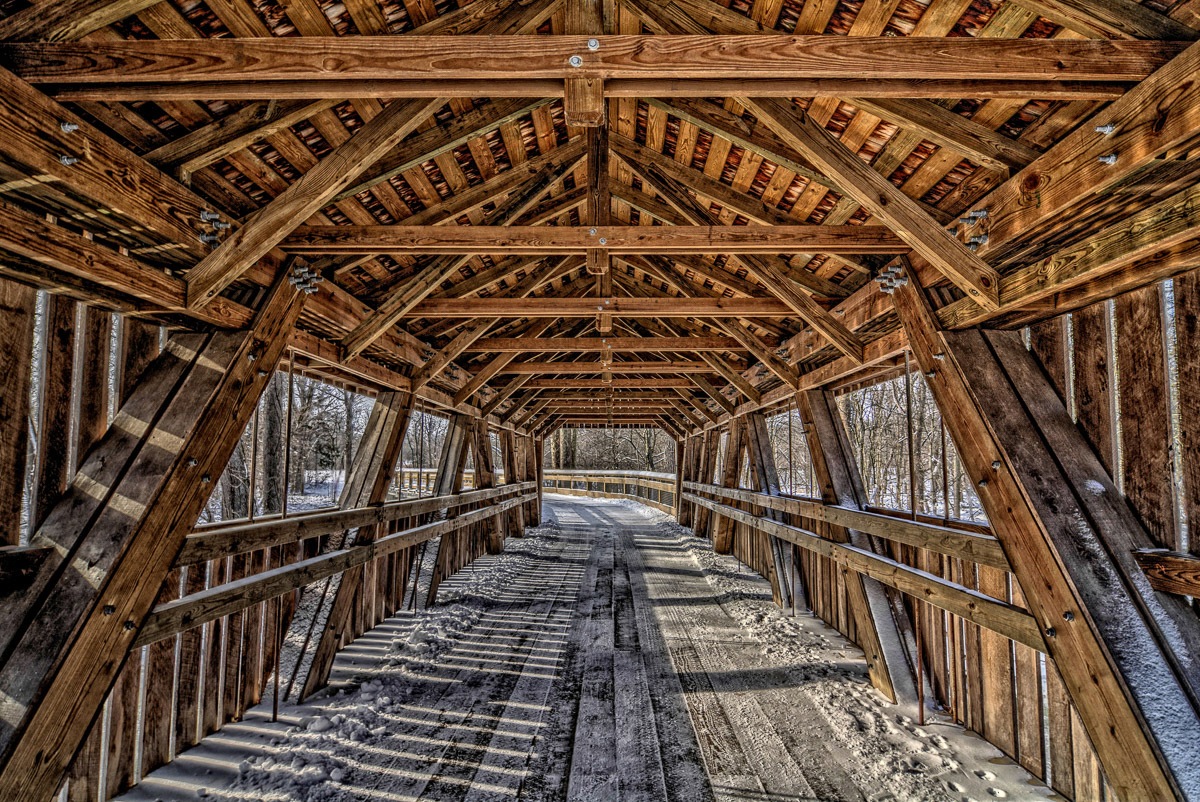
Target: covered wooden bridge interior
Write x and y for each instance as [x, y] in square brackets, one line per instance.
[527, 216]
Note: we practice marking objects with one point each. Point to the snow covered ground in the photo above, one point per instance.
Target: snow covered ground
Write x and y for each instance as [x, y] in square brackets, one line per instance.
[500, 691]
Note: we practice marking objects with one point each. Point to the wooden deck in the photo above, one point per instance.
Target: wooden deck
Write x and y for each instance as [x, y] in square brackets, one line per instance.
[602, 664]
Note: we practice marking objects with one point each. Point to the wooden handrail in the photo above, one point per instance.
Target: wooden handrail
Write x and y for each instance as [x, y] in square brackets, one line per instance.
[237, 538]
[979, 548]
[1006, 619]
[198, 608]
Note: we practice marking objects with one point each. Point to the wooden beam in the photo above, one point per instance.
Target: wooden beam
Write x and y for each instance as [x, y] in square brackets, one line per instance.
[1069, 536]
[588, 307]
[1111, 19]
[1171, 572]
[883, 199]
[666, 366]
[579, 239]
[537, 345]
[130, 507]
[732, 376]
[303, 198]
[713, 393]
[367, 484]
[442, 359]
[505, 392]
[64, 20]
[500, 58]
[543, 88]
[782, 370]
[652, 383]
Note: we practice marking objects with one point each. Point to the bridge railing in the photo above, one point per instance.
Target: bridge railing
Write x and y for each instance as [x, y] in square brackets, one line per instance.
[651, 488]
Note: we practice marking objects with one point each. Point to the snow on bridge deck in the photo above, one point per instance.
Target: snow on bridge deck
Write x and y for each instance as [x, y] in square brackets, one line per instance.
[608, 655]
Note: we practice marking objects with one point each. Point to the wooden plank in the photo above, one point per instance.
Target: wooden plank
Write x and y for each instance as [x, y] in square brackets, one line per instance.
[927, 237]
[1094, 406]
[419, 239]
[16, 359]
[1147, 466]
[1171, 572]
[1187, 340]
[303, 197]
[57, 379]
[499, 58]
[67, 20]
[164, 487]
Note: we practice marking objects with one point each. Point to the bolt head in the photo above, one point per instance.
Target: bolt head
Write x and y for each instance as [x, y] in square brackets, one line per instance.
[593, 44]
[129, 625]
[1068, 616]
[996, 465]
[604, 240]
[1050, 632]
[109, 609]
[575, 61]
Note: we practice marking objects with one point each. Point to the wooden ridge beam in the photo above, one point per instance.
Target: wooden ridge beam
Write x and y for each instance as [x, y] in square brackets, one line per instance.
[588, 307]
[666, 366]
[538, 345]
[303, 198]
[343, 239]
[883, 199]
[648, 383]
[499, 58]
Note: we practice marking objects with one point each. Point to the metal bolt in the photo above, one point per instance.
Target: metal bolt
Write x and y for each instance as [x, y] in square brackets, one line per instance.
[1050, 632]
[929, 374]
[252, 357]
[209, 239]
[309, 290]
[109, 609]
[1068, 616]
[205, 479]
[208, 216]
[67, 161]
[983, 482]
[996, 465]
[939, 356]
[593, 44]
[604, 240]
[69, 128]
[192, 462]
[1109, 159]
[129, 625]
[982, 239]
[575, 61]
[1108, 129]
[222, 226]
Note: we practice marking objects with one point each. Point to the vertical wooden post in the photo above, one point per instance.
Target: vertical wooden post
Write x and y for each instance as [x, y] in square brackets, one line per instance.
[708, 456]
[840, 483]
[485, 478]
[731, 472]
[16, 360]
[678, 498]
[1068, 536]
[124, 517]
[762, 463]
[448, 481]
[366, 484]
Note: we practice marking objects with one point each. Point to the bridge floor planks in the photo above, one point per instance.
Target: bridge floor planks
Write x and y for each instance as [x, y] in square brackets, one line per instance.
[608, 656]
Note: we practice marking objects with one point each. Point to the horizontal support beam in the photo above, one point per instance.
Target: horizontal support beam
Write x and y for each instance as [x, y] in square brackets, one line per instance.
[434, 59]
[673, 366]
[193, 610]
[1007, 620]
[617, 384]
[215, 542]
[541, 88]
[536, 345]
[1171, 571]
[982, 549]
[349, 240]
[589, 307]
